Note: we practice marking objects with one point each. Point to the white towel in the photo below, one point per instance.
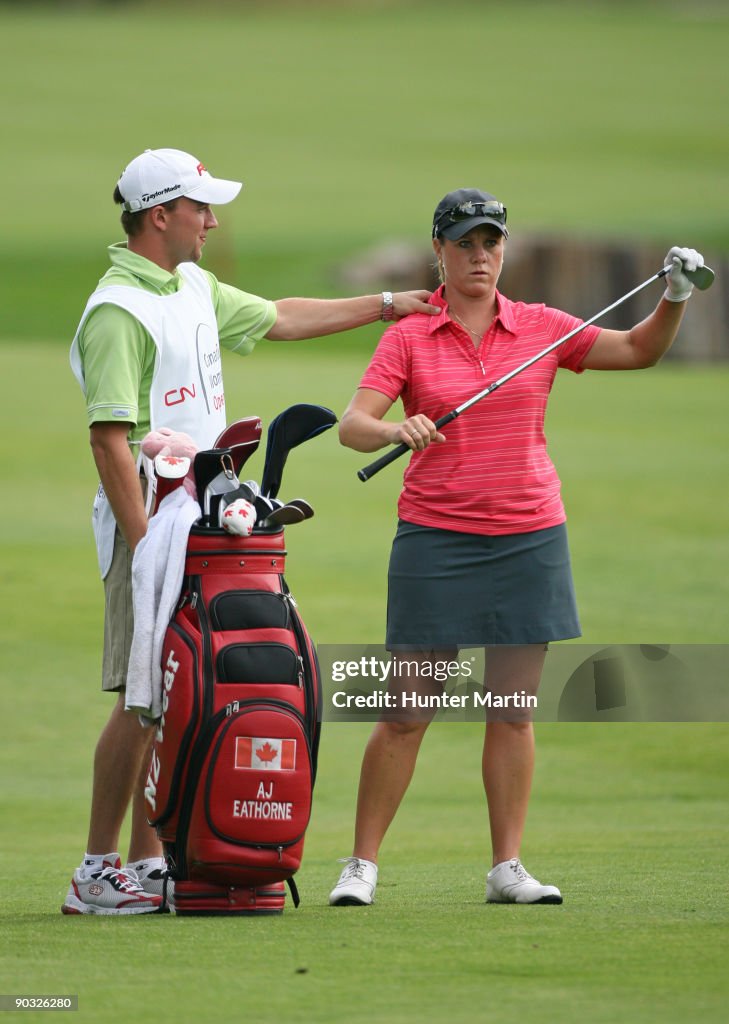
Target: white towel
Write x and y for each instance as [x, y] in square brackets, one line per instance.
[157, 571]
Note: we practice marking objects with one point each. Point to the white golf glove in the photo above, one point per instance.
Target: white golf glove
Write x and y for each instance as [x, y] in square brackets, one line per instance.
[679, 286]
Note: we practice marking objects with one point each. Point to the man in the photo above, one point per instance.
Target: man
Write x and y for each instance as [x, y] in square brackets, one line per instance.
[147, 355]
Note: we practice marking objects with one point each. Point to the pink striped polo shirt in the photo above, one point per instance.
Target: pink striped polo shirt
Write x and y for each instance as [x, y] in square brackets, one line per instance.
[493, 474]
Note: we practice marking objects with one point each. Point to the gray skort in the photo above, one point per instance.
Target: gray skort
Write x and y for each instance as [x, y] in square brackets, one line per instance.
[448, 589]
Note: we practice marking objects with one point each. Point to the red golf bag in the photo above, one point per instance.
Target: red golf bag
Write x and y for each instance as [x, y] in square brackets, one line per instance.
[234, 759]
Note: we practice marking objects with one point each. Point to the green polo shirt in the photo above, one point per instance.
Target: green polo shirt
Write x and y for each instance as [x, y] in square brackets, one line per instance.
[118, 353]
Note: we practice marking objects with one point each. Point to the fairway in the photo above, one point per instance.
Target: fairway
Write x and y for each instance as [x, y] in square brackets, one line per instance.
[640, 936]
[347, 121]
[616, 817]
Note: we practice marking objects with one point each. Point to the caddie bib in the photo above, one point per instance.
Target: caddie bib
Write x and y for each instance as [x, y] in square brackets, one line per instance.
[187, 384]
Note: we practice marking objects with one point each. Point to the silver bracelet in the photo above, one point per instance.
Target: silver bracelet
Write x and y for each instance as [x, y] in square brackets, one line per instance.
[388, 307]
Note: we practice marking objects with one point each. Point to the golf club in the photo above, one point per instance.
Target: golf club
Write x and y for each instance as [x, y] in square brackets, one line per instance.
[263, 506]
[239, 432]
[303, 505]
[240, 491]
[284, 516]
[289, 429]
[253, 487]
[221, 485]
[169, 473]
[243, 438]
[206, 466]
[237, 516]
[702, 278]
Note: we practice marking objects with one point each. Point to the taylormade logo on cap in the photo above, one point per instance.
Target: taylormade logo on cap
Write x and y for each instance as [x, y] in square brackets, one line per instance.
[159, 175]
[162, 192]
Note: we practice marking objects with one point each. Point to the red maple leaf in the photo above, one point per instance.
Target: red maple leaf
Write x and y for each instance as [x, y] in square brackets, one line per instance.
[266, 753]
[172, 460]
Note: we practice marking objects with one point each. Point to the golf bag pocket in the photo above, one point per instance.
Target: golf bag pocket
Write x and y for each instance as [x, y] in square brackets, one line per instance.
[252, 808]
[249, 609]
[176, 728]
[264, 663]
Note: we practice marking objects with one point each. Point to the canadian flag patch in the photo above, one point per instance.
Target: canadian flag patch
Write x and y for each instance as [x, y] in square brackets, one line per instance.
[263, 753]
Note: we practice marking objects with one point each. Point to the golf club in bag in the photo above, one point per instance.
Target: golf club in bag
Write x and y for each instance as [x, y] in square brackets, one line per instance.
[289, 429]
[702, 278]
[233, 765]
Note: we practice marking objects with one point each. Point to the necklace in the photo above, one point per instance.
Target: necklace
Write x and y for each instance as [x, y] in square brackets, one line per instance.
[476, 334]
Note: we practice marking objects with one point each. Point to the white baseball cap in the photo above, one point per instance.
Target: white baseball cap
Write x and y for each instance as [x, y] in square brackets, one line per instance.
[159, 175]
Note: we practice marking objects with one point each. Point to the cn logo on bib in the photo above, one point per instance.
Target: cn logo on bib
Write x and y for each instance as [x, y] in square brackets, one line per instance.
[265, 754]
[178, 395]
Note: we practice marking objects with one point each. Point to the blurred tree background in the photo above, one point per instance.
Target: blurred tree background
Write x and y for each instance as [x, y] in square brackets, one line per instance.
[602, 126]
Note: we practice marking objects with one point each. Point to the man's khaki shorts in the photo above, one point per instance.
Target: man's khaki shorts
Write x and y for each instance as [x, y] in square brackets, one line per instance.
[118, 617]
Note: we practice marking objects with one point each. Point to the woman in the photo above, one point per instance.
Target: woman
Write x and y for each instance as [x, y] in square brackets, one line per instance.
[480, 557]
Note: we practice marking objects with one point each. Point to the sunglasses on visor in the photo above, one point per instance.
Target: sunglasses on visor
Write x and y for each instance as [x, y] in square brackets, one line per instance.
[464, 211]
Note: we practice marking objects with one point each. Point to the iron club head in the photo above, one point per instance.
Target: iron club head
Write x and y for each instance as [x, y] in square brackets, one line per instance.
[303, 505]
[702, 278]
[286, 515]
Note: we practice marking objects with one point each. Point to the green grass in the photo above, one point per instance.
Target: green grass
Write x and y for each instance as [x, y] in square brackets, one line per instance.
[631, 820]
[640, 935]
[347, 121]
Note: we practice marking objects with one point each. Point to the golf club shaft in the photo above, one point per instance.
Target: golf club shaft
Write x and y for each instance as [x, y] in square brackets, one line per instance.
[374, 467]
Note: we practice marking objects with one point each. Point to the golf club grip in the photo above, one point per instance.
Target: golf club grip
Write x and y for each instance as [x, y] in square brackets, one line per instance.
[384, 460]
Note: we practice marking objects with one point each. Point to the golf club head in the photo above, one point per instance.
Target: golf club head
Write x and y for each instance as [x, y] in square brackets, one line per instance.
[304, 505]
[224, 481]
[241, 432]
[236, 515]
[289, 429]
[263, 507]
[169, 474]
[241, 491]
[243, 438]
[702, 278]
[241, 453]
[286, 515]
[206, 466]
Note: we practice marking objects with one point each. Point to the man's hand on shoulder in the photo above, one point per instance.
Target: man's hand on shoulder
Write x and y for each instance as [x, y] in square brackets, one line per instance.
[405, 303]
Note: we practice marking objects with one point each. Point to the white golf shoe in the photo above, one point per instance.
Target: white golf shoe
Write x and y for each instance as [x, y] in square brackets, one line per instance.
[154, 878]
[510, 882]
[109, 890]
[356, 885]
